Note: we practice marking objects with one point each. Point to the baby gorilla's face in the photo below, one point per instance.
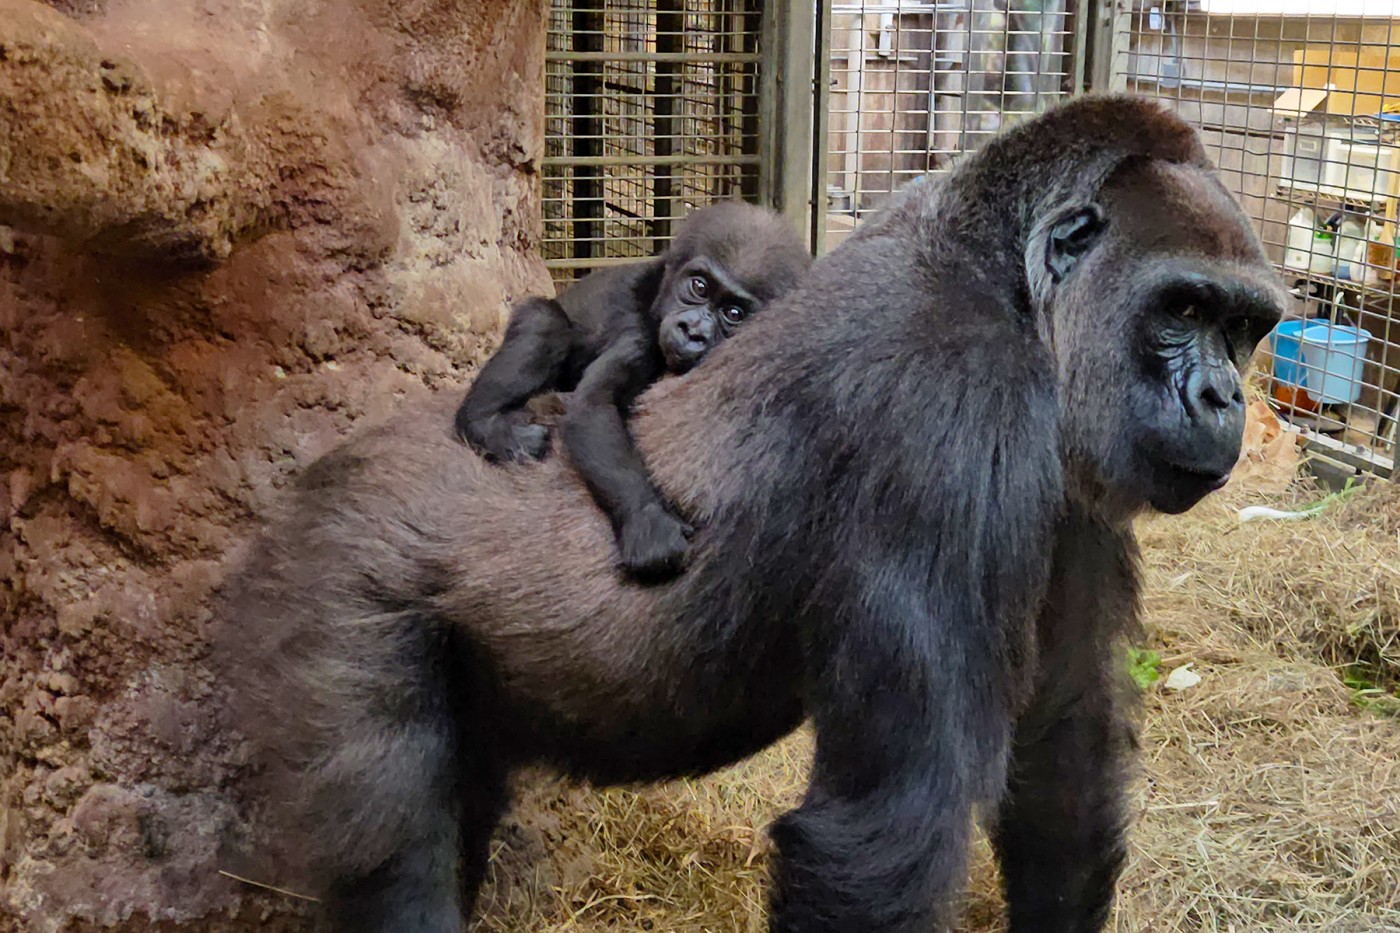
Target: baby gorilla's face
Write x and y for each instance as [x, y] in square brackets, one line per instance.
[699, 305]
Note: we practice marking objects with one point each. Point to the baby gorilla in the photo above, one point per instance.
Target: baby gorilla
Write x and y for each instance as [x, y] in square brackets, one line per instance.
[610, 336]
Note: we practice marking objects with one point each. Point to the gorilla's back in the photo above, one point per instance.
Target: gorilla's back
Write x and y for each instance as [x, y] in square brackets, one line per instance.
[401, 545]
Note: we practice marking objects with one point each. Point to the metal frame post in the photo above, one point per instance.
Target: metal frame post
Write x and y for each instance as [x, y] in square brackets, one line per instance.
[786, 102]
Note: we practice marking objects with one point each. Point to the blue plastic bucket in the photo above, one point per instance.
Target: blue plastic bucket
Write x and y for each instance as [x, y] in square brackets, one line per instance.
[1288, 352]
[1333, 357]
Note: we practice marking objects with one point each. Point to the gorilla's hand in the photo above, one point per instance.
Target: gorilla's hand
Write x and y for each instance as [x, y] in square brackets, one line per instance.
[506, 438]
[654, 543]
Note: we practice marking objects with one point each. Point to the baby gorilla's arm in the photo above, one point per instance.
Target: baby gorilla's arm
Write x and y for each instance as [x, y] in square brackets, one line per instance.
[651, 538]
[531, 359]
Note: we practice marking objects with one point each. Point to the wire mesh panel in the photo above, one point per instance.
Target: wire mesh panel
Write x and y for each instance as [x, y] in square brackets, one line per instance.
[915, 83]
[1299, 102]
[651, 109]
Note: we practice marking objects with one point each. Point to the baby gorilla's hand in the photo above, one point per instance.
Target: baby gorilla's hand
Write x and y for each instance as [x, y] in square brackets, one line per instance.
[508, 438]
[654, 544]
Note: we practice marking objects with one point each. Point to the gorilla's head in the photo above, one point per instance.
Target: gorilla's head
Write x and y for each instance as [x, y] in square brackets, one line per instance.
[1150, 288]
[1162, 276]
[729, 260]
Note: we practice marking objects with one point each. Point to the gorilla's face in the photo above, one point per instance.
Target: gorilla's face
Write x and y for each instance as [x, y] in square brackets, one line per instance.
[700, 303]
[1197, 327]
[1163, 295]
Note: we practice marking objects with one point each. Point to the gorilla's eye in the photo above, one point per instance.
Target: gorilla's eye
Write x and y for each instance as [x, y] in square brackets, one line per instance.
[732, 314]
[699, 286]
[1239, 331]
[1189, 313]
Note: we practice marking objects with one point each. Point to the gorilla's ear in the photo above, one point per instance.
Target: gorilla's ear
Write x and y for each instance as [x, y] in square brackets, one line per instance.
[1071, 236]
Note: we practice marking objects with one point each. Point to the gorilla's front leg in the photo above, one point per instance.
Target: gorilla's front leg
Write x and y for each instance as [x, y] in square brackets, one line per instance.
[1060, 827]
[913, 728]
[1060, 831]
[532, 358]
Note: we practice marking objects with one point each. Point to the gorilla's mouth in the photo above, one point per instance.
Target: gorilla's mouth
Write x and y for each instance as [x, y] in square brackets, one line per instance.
[679, 360]
[1212, 479]
[1178, 486]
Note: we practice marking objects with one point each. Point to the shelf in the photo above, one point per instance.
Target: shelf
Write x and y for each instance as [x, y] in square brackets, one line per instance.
[1386, 291]
[1375, 207]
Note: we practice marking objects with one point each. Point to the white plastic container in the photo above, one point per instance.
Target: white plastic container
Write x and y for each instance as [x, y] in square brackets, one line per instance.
[1298, 248]
[1351, 248]
[1304, 148]
[1362, 169]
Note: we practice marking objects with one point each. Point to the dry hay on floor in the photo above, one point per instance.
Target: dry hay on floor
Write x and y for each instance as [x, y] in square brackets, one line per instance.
[1267, 799]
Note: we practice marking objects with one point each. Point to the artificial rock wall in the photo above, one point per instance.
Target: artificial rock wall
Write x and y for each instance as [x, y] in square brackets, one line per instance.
[229, 229]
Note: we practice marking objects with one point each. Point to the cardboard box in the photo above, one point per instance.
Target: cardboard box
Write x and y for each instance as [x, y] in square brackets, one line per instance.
[1341, 82]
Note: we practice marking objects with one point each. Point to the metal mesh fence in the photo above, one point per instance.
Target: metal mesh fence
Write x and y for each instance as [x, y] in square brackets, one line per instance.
[913, 84]
[651, 109]
[1299, 103]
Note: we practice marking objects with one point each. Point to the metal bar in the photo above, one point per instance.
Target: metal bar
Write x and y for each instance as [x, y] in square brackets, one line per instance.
[821, 117]
[770, 30]
[1082, 13]
[751, 100]
[587, 27]
[799, 115]
[1107, 64]
[601, 262]
[646, 160]
[679, 58]
[670, 20]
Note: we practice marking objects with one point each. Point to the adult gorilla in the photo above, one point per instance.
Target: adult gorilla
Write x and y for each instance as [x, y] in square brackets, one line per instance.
[914, 477]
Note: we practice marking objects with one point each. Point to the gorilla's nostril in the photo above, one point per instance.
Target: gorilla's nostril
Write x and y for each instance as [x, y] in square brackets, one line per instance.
[1217, 399]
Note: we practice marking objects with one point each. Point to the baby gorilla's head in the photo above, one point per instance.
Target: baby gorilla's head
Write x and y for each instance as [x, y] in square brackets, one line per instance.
[728, 261]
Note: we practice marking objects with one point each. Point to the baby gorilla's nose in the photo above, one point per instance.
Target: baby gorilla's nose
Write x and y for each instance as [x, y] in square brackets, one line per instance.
[697, 327]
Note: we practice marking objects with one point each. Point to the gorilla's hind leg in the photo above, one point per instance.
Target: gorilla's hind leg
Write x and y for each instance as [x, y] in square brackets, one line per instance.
[415, 891]
[413, 810]
[431, 884]
[404, 793]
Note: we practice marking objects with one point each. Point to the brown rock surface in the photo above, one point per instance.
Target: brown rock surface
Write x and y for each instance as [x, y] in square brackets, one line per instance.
[231, 230]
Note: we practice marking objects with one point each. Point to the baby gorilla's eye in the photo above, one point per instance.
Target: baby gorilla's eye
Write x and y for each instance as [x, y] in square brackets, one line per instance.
[732, 314]
[699, 286]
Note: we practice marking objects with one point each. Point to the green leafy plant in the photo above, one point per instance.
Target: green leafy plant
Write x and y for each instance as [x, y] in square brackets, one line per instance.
[1350, 488]
[1144, 666]
[1365, 694]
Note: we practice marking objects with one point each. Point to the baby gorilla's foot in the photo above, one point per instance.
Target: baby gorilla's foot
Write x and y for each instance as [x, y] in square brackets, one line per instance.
[531, 439]
[508, 438]
[654, 544]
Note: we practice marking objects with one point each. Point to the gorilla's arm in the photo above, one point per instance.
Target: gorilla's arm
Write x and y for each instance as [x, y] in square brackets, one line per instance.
[532, 358]
[651, 539]
[1059, 832]
[932, 644]
[547, 344]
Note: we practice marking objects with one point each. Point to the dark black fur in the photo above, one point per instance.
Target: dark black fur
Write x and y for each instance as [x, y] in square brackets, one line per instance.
[916, 476]
[612, 335]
